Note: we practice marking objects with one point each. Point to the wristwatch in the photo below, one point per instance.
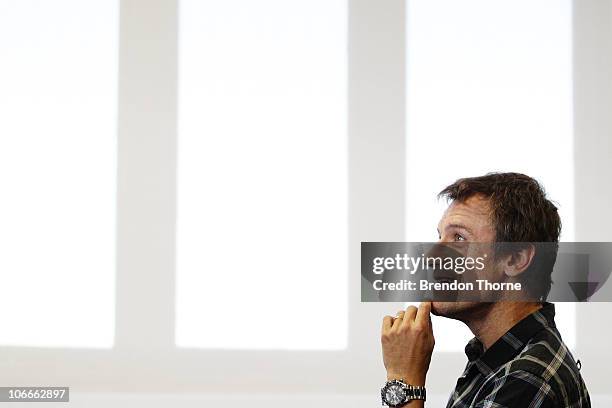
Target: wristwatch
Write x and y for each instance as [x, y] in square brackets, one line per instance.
[397, 393]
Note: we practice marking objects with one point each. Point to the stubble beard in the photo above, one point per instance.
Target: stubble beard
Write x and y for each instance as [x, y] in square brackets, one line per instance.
[463, 311]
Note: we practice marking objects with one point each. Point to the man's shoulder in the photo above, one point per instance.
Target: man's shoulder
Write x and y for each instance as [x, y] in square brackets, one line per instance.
[545, 355]
[546, 359]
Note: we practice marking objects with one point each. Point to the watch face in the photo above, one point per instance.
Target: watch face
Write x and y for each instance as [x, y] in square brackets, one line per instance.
[395, 395]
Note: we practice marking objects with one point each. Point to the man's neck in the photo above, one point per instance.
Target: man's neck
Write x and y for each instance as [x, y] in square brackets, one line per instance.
[493, 322]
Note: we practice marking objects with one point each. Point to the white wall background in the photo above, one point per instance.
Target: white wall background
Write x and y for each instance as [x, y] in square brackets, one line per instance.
[144, 368]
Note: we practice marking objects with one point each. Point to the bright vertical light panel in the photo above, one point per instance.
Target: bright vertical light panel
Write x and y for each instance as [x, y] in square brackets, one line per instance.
[58, 78]
[489, 88]
[262, 179]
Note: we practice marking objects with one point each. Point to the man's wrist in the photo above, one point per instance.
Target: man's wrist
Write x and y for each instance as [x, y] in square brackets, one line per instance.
[409, 378]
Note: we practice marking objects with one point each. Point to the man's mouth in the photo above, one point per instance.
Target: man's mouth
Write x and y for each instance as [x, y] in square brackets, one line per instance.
[445, 293]
[445, 280]
[445, 277]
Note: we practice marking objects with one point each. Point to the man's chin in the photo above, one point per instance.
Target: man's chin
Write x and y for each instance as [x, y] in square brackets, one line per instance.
[453, 310]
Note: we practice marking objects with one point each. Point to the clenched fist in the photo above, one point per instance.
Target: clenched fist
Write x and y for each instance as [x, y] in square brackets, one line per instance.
[407, 344]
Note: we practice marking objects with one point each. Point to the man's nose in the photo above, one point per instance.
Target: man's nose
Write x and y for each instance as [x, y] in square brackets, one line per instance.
[443, 249]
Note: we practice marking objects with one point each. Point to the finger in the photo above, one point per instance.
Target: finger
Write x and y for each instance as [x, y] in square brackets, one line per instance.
[387, 323]
[424, 313]
[410, 314]
[399, 317]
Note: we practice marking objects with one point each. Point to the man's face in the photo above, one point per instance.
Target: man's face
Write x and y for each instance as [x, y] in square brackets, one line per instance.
[467, 221]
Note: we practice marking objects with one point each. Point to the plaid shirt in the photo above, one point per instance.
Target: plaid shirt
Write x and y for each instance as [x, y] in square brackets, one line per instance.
[529, 366]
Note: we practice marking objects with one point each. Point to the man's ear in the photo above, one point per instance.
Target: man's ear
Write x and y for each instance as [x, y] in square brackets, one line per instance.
[518, 261]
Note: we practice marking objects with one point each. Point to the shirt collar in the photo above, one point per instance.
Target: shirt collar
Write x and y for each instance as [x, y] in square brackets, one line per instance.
[513, 341]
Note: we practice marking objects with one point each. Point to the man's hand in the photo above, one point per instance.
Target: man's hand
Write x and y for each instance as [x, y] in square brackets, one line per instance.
[407, 344]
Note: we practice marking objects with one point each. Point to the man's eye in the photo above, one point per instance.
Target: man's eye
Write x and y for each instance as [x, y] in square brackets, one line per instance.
[459, 237]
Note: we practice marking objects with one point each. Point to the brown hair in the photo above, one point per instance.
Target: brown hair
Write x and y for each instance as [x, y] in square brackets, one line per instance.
[520, 213]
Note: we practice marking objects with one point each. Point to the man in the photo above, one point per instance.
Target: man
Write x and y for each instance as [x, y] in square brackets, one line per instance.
[517, 357]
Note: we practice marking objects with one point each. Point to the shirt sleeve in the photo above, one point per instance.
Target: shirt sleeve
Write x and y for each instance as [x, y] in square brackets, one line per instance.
[517, 389]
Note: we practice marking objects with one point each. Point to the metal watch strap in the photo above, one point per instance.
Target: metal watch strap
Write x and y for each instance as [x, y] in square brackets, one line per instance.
[417, 393]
